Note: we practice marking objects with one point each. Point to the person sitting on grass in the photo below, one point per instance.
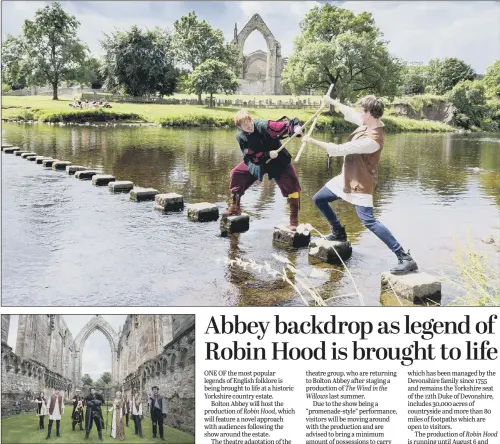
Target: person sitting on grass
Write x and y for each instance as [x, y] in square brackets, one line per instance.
[357, 181]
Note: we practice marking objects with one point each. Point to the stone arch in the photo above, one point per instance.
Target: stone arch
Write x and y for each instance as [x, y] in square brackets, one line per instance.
[274, 60]
[97, 323]
[252, 65]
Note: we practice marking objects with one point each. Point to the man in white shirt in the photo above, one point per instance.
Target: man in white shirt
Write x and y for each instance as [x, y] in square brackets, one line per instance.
[136, 410]
[358, 179]
[55, 409]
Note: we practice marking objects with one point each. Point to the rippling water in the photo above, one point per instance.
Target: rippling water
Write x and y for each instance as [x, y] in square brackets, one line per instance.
[66, 242]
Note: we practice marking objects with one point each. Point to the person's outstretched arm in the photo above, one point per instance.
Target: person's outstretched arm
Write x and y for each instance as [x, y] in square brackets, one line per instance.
[350, 114]
[358, 146]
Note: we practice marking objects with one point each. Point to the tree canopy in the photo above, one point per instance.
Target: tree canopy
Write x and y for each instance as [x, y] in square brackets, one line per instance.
[469, 99]
[492, 80]
[337, 46]
[445, 74]
[196, 41]
[50, 49]
[212, 76]
[139, 62]
[87, 380]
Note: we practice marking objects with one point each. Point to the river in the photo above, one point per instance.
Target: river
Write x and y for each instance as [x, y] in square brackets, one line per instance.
[66, 242]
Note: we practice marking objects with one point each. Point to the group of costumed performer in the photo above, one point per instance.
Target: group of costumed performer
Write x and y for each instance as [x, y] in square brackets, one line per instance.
[88, 411]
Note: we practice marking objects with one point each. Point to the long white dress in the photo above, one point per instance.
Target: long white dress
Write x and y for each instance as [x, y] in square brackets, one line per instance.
[117, 418]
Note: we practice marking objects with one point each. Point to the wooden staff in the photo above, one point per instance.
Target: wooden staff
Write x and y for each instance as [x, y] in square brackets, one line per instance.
[308, 134]
[313, 117]
[312, 126]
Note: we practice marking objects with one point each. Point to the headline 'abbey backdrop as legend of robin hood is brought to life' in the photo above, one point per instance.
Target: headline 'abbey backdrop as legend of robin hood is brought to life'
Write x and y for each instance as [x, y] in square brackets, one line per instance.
[250, 153]
[81, 378]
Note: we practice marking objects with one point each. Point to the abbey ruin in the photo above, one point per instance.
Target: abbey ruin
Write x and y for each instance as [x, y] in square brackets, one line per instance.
[148, 350]
[261, 71]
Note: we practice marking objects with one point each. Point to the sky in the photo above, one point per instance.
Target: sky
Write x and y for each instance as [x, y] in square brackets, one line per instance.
[96, 351]
[417, 30]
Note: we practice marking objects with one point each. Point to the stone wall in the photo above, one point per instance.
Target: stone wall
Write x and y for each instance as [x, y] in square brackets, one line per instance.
[256, 87]
[47, 340]
[23, 379]
[173, 371]
[142, 338]
[5, 328]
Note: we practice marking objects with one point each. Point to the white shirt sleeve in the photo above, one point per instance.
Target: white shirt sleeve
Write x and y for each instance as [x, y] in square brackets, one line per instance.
[359, 146]
[350, 114]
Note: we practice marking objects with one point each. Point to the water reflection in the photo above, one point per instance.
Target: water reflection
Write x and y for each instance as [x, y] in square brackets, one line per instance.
[77, 239]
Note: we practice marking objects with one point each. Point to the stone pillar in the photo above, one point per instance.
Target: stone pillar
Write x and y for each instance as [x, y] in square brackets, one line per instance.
[23, 322]
[5, 328]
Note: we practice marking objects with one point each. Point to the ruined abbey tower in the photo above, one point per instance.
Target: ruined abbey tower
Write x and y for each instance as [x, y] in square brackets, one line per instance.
[261, 71]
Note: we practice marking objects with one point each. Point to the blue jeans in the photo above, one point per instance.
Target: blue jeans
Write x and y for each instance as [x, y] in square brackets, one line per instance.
[322, 200]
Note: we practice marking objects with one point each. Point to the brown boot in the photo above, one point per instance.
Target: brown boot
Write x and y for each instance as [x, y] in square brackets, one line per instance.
[294, 213]
[234, 209]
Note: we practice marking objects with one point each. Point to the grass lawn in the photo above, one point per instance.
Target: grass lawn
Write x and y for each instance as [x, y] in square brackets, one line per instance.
[23, 428]
[44, 108]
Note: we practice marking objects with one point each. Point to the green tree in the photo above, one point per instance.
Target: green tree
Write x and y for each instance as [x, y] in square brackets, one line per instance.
[50, 46]
[444, 75]
[491, 80]
[468, 97]
[212, 76]
[87, 380]
[140, 62]
[91, 73]
[337, 46]
[195, 41]
[106, 378]
[14, 66]
[414, 80]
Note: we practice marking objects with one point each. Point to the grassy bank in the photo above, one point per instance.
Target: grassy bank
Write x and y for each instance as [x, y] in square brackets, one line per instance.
[45, 109]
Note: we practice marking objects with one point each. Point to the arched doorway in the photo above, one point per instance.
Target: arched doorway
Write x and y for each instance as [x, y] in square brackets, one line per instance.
[274, 63]
[97, 323]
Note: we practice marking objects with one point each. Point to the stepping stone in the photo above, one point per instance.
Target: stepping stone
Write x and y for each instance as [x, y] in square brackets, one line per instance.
[60, 165]
[24, 155]
[72, 169]
[40, 159]
[11, 150]
[49, 162]
[203, 212]
[86, 174]
[6, 145]
[324, 250]
[234, 224]
[20, 153]
[31, 158]
[102, 179]
[415, 286]
[283, 235]
[169, 202]
[139, 194]
[120, 186]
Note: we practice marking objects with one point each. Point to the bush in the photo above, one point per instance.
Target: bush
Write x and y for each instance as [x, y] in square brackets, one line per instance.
[468, 97]
[491, 120]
